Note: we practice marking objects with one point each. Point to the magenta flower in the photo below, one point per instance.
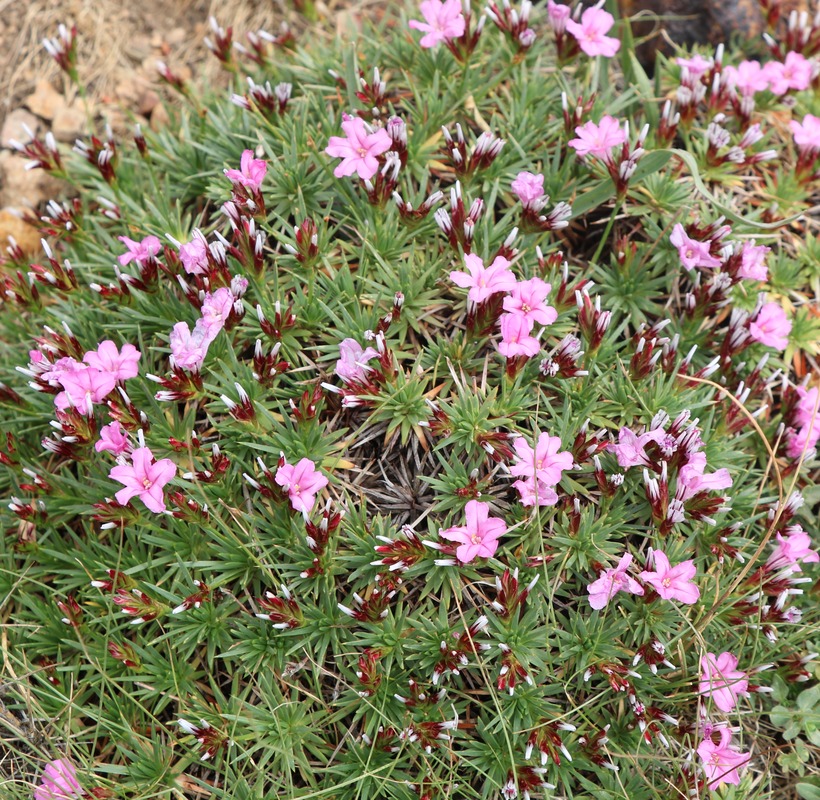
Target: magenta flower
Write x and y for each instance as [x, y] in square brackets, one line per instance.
[528, 299]
[612, 581]
[771, 327]
[794, 73]
[515, 337]
[194, 255]
[753, 261]
[358, 149]
[630, 448]
[106, 358]
[188, 350]
[302, 482]
[807, 134]
[528, 187]
[216, 308]
[720, 761]
[693, 478]
[598, 140]
[352, 364]
[442, 21]
[546, 462]
[479, 537]
[251, 172]
[721, 680]
[672, 583]
[114, 439]
[791, 549]
[802, 441]
[83, 388]
[139, 251]
[534, 492]
[748, 77]
[482, 281]
[696, 66]
[144, 478]
[59, 782]
[595, 22]
[691, 252]
[805, 412]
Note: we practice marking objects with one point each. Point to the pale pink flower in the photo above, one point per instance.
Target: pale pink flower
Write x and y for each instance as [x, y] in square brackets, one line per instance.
[546, 462]
[189, 349]
[807, 134]
[692, 477]
[479, 537]
[352, 365]
[558, 14]
[696, 66]
[121, 364]
[691, 252]
[59, 782]
[590, 33]
[528, 299]
[139, 251]
[302, 481]
[612, 581]
[251, 171]
[791, 549]
[598, 140]
[720, 762]
[630, 449]
[534, 492]
[748, 77]
[114, 439]
[672, 583]
[806, 411]
[794, 73]
[753, 261]
[721, 680]
[803, 440]
[771, 327]
[515, 337]
[145, 478]
[216, 308]
[54, 372]
[482, 281]
[194, 255]
[528, 187]
[442, 21]
[83, 388]
[358, 149]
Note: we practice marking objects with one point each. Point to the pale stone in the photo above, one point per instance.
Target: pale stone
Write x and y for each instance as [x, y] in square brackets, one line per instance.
[24, 234]
[15, 125]
[69, 123]
[45, 100]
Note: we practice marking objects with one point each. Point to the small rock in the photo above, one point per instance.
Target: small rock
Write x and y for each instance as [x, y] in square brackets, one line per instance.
[159, 117]
[26, 188]
[176, 36]
[149, 100]
[69, 123]
[26, 236]
[45, 100]
[14, 127]
[138, 47]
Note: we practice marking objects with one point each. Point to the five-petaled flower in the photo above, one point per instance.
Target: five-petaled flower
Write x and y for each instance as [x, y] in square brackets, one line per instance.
[691, 252]
[479, 537]
[443, 20]
[145, 478]
[721, 680]
[358, 148]
[598, 139]
[302, 481]
[672, 583]
[528, 299]
[612, 581]
[590, 33]
[251, 171]
[483, 282]
[59, 782]
[122, 365]
[352, 364]
[771, 327]
[721, 762]
[139, 251]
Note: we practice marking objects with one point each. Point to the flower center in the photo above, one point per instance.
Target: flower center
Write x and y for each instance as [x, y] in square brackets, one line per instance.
[362, 151]
[295, 489]
[690, 253]
[147, 483]
[667, 582]
[475, 539]
[525, 308]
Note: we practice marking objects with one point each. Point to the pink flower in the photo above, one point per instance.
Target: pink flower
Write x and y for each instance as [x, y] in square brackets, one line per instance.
[595, 22]
[144, 478]
[558, 15]
[546, 462]
[721, 680]
[692, 478]
[771, 327]
[612, 581]
[83, 388]
[139, 251]
[534, 492]
[54, 372]
[527, 299]
[695, 66]
[114, 439]
[59, 782]
[748, 78]
[672, 583]
[598, 140]
[794, 73]
[352, 364]
[251, 172]
[216, 308]
[807, 134]
[528, 187]
[106, 358]
[484, 281]
[479, 537]
[194, 255]
[189, 349]
[691, 252]
[791, 549]
[720, 761]
[515, 337]
[302, 481]
[805, 412]
[630, 448]
[443, 21]
[802, 441]
[753, 261]
[358, 149]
